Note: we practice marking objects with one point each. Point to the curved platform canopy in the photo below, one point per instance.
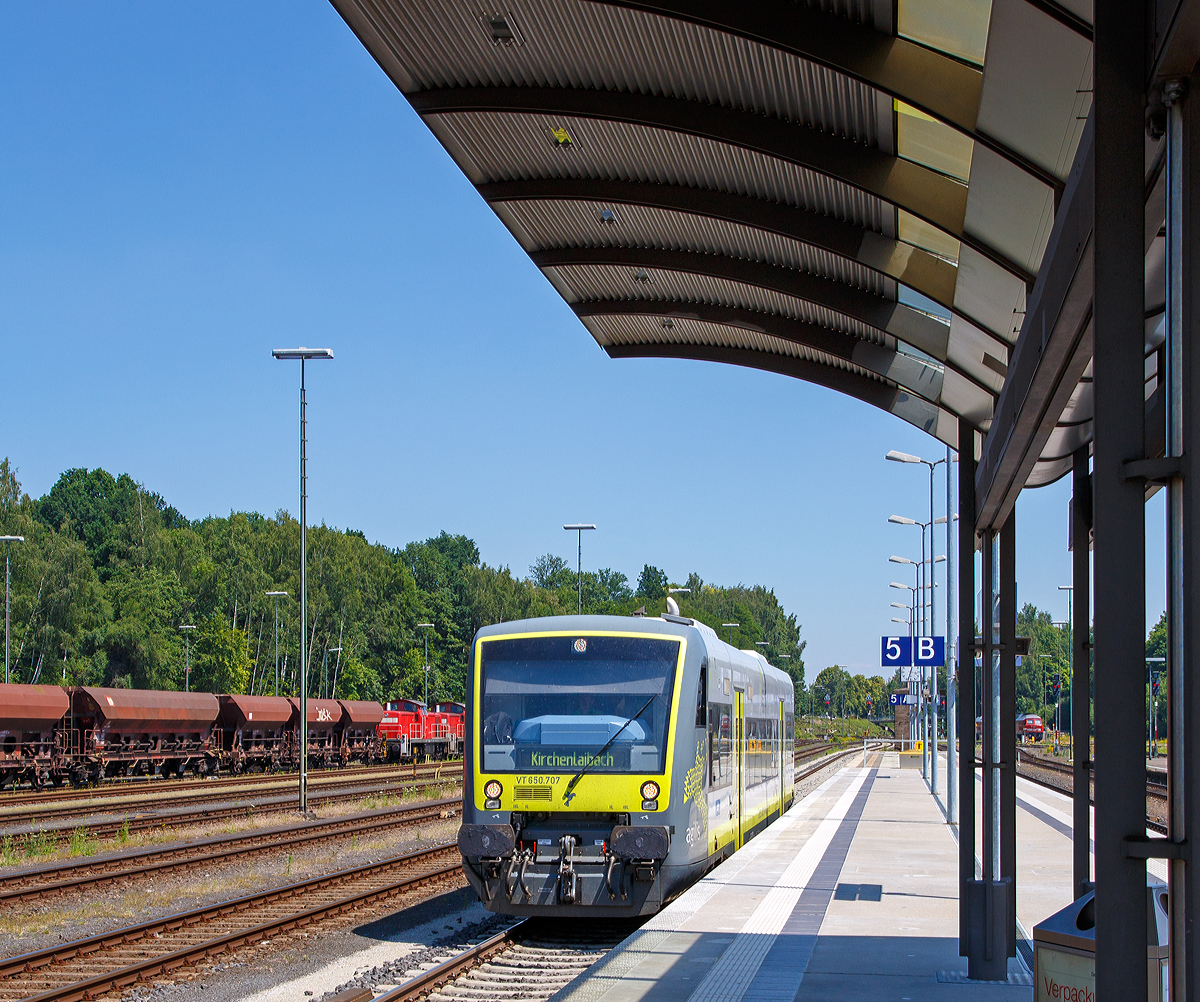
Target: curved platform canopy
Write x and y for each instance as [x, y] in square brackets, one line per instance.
[857, 193]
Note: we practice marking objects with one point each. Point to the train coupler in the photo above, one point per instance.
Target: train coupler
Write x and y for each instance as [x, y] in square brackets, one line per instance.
[523, 858]
[568, 879]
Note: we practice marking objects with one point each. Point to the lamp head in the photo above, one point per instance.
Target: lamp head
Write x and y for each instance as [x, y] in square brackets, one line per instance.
[901, 457]
[287, 354]
[901, 520]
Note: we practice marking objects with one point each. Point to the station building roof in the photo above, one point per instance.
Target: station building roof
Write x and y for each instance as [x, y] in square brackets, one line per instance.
[857, 193]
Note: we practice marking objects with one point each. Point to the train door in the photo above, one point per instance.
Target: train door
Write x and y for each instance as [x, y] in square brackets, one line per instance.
[778, 745]
[739, 764]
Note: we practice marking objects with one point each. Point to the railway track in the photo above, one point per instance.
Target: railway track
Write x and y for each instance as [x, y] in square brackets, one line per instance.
[125, 819]
[204, 788]
[86, 968]
[59, 878]
[1156, 787]
[530, 960]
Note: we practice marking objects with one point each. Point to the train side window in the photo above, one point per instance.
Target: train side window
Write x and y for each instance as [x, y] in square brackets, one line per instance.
[720, 743]
[702, 698]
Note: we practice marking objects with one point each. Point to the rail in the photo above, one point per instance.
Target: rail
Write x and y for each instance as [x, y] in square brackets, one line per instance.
[169, 940]
[33, 882]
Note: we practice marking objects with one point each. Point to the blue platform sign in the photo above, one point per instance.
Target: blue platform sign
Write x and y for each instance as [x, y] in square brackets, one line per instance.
[896, 652]
[929, 651]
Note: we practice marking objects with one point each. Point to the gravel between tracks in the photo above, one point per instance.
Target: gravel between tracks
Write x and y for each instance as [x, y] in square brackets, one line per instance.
[371, 946]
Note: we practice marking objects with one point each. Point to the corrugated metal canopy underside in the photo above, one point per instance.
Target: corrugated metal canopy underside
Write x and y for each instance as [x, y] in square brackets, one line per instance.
[855, 193]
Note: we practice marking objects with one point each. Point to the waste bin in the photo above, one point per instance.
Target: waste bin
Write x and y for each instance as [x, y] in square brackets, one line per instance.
[1064, 949]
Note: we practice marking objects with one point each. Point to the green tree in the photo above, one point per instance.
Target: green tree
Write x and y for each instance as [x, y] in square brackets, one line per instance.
[220, 659]
[652, 583]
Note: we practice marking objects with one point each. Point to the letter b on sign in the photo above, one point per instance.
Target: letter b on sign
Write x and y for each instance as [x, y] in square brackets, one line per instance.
[895, 652]
[929, 651]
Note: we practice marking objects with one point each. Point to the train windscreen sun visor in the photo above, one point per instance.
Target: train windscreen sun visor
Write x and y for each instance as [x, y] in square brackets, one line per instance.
[552, 704]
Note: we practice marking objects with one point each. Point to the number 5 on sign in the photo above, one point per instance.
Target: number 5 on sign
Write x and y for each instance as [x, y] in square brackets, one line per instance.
[895, 652]
[930, 651]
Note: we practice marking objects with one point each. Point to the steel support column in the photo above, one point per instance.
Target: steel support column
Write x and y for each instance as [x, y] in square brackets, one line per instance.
[966, 681]
[952, 662]
[1006, 737]
[1118, 503]
[1081, 680]
[989, 695]
[1183, 541]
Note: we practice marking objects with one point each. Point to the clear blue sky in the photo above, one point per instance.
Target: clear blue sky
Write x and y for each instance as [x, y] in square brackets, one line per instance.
[186, 186]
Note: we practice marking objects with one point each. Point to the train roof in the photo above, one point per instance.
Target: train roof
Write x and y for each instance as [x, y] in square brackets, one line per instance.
[32, 707]
[194, 709]
[672, 626]
[238, 709]
[362, 711]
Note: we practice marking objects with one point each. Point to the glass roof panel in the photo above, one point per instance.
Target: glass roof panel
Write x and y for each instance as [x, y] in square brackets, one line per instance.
[914, 230]
[930, 143]
[956, 27]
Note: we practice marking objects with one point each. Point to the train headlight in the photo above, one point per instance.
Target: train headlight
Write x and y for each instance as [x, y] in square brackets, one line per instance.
[649, 790]
[493, 789]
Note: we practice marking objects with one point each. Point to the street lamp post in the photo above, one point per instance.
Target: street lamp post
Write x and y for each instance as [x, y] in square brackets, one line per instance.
[922, 727]
[302, 355]
[1152, 707]
[8, 541]
[1070, 590]
[277, 595]
[912, 632]
[187, 657]
[333, 686]
[904, 457]
[578, 528]
[426, 627]
[730, 626]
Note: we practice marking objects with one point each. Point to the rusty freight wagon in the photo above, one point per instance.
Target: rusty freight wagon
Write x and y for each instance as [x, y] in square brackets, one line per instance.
[360, 722]
[324, 730]
[30, 734]
[256, 733]
[138, 732]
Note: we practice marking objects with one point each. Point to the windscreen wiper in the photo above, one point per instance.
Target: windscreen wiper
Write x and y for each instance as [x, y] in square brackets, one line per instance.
[587, 765]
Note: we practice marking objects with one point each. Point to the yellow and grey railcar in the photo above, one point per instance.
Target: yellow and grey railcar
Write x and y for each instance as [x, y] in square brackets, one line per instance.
[611, 761]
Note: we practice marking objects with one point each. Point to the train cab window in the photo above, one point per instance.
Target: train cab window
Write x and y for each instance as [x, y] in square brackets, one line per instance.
[702, 698]
[558, 704]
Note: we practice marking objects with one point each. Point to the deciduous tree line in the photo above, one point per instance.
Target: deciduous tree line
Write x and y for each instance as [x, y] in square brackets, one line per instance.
[110, 571]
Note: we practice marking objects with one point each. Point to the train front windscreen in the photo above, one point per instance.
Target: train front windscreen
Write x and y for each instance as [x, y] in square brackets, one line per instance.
[560, 704]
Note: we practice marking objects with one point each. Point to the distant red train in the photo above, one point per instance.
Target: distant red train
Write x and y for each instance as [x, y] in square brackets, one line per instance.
[1029, 727]
[410, 730]
[50, 735]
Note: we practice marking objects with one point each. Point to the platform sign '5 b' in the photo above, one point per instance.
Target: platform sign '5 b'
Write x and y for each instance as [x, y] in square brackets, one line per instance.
[929, 651]
[896, 652]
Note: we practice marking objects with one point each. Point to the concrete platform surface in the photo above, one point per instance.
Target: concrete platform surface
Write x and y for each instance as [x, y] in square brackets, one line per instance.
[852, 895]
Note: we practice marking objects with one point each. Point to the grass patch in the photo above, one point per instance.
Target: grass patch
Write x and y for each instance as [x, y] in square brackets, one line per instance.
[83, 843]
[41, 844]
[8, 851]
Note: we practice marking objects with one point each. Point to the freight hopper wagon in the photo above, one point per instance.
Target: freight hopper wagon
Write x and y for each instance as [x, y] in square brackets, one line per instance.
[611, 761]
[256, 733]
[29, 723]
[50, 734]
[139, 732]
